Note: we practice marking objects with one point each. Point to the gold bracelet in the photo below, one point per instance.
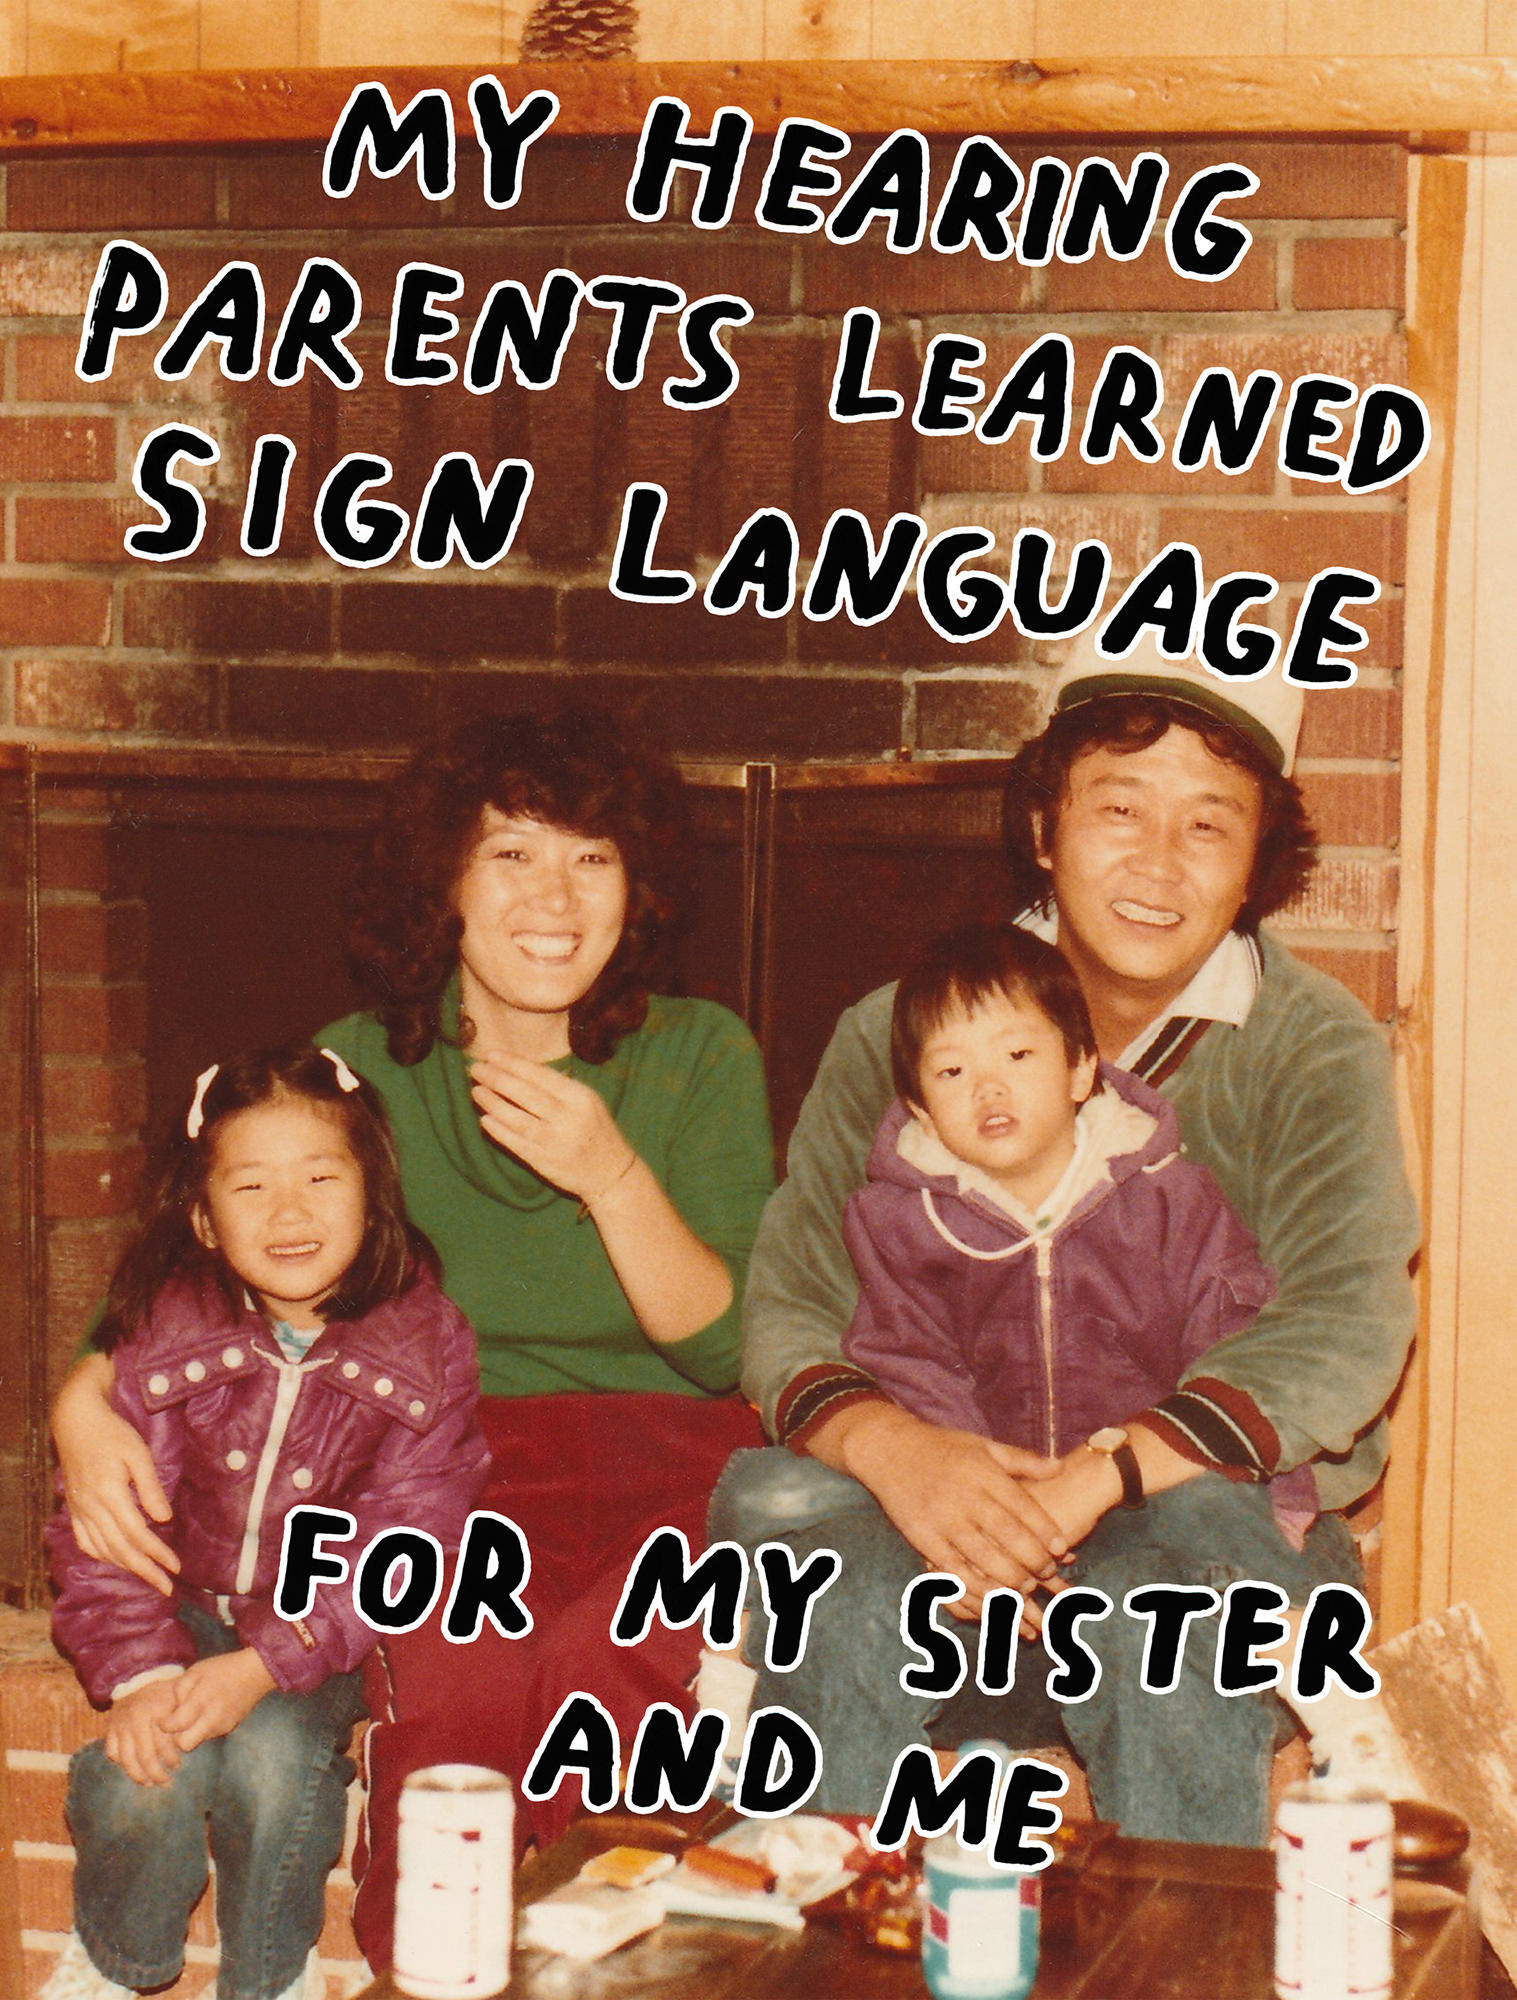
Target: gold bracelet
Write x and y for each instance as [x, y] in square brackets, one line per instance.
[587, 1202]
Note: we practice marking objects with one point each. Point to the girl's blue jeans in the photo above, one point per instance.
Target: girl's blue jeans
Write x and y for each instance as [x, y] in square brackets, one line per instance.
[1191, 1765]
[273, 1796]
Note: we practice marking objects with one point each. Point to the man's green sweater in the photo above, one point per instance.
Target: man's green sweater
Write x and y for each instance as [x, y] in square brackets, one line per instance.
[1293, 1112]
[687, 1091]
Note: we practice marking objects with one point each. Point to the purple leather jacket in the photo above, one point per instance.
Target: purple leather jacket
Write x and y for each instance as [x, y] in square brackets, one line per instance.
[1038, 1339]
[378, 1419]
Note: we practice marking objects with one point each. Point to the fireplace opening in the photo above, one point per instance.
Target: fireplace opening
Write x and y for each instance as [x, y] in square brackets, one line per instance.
[163, 909]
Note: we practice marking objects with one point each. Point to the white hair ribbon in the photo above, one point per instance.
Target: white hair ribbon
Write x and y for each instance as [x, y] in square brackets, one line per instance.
[196, 1118]
[345, 1077]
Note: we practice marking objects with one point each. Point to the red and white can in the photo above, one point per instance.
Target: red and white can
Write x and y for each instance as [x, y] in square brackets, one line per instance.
[453, 1896]
[1334, 1915]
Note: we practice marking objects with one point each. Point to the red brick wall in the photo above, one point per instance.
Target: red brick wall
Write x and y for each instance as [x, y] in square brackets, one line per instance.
[294, 650]
[94, 1027]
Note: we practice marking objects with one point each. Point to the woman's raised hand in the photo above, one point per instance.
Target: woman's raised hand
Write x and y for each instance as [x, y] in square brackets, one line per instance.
[109, 1480]
[554, 1124]
[675, 1283]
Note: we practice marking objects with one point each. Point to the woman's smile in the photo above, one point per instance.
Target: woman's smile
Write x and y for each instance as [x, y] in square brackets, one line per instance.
[542, 909]
[550, 945]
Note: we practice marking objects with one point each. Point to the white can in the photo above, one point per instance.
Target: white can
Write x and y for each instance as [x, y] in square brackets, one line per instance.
[453, 1896]
[1334, 1913]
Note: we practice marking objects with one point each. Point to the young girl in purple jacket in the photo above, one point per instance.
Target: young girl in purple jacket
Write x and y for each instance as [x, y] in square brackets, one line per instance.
[279, 1339]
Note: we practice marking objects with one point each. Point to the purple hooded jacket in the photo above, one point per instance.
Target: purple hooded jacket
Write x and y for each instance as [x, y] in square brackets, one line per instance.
[378, 1419]
[1037, 1338]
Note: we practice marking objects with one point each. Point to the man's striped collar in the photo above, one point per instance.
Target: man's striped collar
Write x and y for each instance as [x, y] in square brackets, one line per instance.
[1224, 988]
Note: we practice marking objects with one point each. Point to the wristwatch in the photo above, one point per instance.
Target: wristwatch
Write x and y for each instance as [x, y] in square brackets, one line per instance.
[1111, 1442]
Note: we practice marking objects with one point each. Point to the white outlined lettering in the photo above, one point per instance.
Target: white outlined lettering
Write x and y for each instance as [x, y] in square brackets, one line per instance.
[367, 128]
[781, 1766]
[943, 1663]
[1077, 1670]
[130, 295]
[384, 1607]
[581, 1737]
[181, 507]
[359, 534]
[663, 1580]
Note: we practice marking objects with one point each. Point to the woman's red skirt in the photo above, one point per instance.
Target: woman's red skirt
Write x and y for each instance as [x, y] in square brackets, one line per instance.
[587, 1478]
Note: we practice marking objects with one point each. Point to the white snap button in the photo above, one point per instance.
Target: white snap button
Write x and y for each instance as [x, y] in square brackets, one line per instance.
[236, 1460]
[159, 1384]
[194, 1371]
[350, 1369]
[231, 1357]
[302, 1478]
[418, 1409]
[384, 1386]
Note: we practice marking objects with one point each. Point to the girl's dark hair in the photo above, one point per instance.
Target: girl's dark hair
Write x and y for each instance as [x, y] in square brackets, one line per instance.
[1123, 723]
[166, 1246]
[966, 967]
[576, 769]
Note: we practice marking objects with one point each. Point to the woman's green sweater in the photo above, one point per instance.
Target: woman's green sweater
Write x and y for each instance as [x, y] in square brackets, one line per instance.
[687, 1091]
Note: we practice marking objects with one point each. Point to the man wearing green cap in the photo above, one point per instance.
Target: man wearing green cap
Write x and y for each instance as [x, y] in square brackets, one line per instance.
[1151, 828]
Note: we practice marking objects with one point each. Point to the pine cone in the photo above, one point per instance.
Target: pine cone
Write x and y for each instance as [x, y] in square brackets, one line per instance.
[579, 31]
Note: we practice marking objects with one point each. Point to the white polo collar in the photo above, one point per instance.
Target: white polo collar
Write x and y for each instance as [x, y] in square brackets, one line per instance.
[1223, 988]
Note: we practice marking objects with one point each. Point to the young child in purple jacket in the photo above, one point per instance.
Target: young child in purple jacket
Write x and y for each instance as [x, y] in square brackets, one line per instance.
[279, 1339]
[1037, 1261]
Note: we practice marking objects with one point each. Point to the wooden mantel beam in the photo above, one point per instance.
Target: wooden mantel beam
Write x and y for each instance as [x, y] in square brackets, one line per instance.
[1344, 94]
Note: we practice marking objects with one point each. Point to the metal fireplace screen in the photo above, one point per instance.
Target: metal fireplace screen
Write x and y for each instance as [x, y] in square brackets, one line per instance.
[159, 909]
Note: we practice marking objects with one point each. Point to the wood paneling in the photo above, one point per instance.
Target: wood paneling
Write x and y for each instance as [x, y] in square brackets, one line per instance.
[112, 35]
[375, 33]
[231, 107]
[978, 30]
[1478, 810]
[1445, 1520]
[1385, 27]
[670, 31]
[1415, 1573]
[1185, 27]
[1501, 27]
[234, 35]
[63, 36]
[815, 31]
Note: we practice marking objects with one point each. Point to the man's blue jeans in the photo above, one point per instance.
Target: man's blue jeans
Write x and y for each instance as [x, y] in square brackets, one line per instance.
[1191, 1765]
[274, 1793]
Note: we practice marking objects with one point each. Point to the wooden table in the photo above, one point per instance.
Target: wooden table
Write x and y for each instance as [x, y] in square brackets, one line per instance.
[1146, 1920]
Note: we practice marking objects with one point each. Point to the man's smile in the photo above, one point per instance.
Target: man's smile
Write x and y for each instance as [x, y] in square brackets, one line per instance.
[1146, 913]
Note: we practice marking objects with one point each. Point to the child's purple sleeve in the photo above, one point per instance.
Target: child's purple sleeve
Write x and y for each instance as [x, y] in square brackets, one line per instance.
[112, 1625]
[902, 1332]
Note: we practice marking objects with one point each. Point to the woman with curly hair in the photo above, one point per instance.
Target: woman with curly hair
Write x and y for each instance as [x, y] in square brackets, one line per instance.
[590, 1158]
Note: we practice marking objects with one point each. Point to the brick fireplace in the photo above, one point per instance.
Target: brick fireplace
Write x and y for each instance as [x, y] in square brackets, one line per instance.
[211, 729]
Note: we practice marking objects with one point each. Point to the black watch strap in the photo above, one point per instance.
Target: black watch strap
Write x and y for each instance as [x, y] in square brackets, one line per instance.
[1125, 1459]
[1112, 1442]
